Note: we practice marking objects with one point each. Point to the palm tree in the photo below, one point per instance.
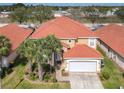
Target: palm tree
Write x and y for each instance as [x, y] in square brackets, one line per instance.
[55, 46]
[40, 56]
[27, 50]
[45, 50]
[5, 46]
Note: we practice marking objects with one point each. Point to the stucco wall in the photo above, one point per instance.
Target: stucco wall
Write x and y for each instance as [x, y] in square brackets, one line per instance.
[112, 54]
[120, 61]
[72, 43]
[98, 63]
[87, 41]
[65, 49]
[82, 41]
[79, 41]
[103, 46]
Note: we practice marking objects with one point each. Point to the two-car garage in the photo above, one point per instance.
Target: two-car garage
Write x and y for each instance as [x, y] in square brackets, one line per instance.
[80, 66]
[82, 58]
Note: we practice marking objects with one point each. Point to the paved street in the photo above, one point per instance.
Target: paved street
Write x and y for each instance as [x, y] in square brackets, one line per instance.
[85, 81]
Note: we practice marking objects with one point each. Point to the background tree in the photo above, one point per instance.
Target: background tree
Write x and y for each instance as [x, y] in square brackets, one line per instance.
[5, 46]
[92, 13]
[18, 5]
[19, 15]
[43, 13]
[120, 13]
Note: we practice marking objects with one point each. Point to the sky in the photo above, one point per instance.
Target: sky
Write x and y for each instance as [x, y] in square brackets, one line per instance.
[71, 4]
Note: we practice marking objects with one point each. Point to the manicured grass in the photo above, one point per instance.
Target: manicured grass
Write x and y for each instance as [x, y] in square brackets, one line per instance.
[28, 85]
[12, 80]
[116, 80]
[16, 80]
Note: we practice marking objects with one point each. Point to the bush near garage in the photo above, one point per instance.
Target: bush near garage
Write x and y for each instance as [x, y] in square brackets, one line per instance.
[104, 75]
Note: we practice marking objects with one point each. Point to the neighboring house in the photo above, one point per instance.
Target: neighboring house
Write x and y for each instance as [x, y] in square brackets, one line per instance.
[61, 13]
[16, 35]
[111, 40]
[72, 33]
[4, 14]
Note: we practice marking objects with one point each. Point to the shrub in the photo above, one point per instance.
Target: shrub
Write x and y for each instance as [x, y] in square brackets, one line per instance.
[123, 74]
[33, 76]
[64, 73]
[26, 72]
[101, 77]
[104, 75]
[47, 77]
[101, 51]
[53, 79]
[48, 67]
[9, 70]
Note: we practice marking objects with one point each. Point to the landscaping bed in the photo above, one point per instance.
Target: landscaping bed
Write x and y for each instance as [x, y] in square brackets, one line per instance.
[114, 76]
[111, 75]
[16, 80]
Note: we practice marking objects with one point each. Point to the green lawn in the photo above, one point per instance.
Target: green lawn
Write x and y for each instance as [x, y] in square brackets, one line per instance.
[15, 80]
[27, 85]
[116, 80]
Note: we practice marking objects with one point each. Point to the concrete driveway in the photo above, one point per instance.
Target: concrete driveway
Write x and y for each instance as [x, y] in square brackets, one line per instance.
[85, 81]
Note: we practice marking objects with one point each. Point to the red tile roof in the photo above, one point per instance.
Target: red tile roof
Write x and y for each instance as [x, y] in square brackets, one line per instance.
[113, 36]
[15, 34]
[82, 51]
[62, 27]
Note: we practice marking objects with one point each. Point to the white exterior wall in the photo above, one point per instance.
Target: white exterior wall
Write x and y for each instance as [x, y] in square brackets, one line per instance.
[120, 61]
[6, 60]
[103, 46]
[112, 55]
[98, 63]
[65, 49]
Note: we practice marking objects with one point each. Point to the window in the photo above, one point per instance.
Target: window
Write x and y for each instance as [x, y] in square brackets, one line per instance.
[108, 49]
[76, 40]
[100, 42]
[69, 41]
[92, 42]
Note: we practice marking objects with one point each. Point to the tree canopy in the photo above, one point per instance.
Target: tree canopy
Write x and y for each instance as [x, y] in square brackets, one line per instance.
[5, 46]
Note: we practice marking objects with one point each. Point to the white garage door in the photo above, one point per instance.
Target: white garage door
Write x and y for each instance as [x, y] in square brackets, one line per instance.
[76, 66]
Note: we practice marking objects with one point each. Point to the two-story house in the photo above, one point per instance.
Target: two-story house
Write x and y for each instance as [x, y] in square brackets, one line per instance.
[79, 44]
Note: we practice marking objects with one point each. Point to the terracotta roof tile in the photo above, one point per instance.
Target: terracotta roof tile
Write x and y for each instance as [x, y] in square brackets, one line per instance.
[82, 51]
[62, 27]
[113, 36]
[15, 33]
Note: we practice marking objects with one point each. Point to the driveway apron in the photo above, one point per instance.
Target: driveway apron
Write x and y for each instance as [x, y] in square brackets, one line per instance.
[85, 81]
